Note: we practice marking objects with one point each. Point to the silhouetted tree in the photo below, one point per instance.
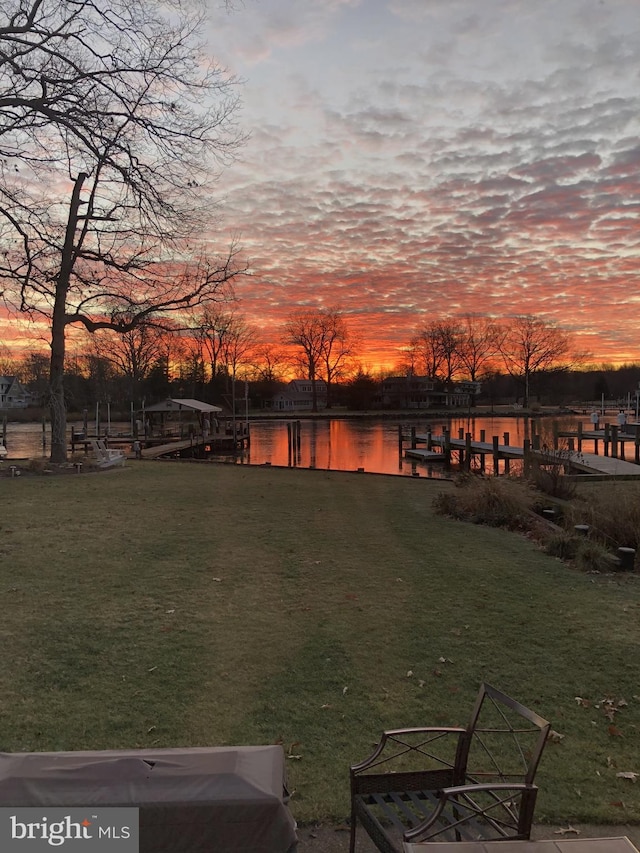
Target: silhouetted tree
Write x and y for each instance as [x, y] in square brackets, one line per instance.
[112, 126]
[530, 346]
[324, 339]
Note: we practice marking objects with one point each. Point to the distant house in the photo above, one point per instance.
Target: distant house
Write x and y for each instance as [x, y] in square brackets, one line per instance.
[297, 396]
[13, 394]
[424, 392]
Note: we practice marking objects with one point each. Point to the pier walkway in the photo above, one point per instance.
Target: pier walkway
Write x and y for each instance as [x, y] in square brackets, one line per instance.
[586, 465]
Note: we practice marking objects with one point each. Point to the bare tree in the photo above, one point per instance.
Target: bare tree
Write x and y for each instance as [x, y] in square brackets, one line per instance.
[269, 363]
[113, 109]
[531, 345]
[210, 329]
[336, 350]
[323, 339]
[479, 345]
[450, 335]
[427, 350]
[133, 353]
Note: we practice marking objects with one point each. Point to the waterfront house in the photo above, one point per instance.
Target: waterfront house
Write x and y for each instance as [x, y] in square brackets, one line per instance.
[13, 394]
[425, 392]
[297, 396]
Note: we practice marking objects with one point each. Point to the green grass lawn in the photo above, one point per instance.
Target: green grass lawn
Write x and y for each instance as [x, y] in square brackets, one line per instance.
[195, 604]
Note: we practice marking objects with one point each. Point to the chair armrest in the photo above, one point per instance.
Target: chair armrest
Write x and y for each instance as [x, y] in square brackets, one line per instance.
[397, 735]
[463, 798]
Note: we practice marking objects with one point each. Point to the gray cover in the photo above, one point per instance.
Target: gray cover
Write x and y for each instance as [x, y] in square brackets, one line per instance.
[219, 799]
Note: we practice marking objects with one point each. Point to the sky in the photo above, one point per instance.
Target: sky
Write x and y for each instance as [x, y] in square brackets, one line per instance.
[414, 159]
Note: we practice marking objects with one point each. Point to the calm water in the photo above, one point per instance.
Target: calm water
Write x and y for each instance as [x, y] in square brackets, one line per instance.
[333, 444]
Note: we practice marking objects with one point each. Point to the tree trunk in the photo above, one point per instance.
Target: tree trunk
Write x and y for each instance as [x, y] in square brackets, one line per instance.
[57, 405]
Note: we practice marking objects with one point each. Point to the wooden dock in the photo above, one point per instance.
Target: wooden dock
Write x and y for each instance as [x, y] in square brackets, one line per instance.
[159, 446]
[577, 462]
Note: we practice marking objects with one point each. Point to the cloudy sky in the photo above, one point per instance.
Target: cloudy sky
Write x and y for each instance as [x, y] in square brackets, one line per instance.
[411, 159]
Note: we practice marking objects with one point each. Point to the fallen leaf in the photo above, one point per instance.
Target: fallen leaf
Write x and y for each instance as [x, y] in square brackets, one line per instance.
[628, 774]
[583, 702]
[610, 761]
[217, 580]
[409, 673]
[421, 683]
[614, 731]
[344, 691]
[437, 672]
[567, 830]
[555, 737]
[324, 707]
[618, 804]
[170, 611]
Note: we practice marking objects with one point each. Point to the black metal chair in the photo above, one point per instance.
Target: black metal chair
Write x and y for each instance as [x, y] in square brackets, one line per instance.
[452, 783]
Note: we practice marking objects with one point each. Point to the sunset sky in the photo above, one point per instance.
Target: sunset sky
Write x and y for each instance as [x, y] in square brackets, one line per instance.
[410, 159]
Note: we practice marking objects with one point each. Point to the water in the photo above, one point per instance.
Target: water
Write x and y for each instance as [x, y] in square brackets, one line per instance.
[335, 444]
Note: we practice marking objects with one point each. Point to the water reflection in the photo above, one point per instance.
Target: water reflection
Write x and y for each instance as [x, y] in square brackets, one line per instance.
[341, 444]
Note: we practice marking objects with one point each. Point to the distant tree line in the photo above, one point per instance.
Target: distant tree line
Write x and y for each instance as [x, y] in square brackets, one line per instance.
[216, 355]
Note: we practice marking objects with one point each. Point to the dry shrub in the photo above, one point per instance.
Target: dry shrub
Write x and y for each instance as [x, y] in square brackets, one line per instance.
[495, 501]
[592, 556]
[612, 511]
[551, 480]
[563, 545]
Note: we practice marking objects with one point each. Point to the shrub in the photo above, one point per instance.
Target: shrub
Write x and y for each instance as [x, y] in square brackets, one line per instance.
[563, 545]
[495, 501]
[551, 480]
[592, 556]
[612, 512]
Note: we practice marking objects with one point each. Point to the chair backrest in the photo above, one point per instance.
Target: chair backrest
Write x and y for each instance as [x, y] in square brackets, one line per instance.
[504, 741]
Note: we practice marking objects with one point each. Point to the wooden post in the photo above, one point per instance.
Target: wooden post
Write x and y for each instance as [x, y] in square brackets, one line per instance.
[536, 441]
[467, 458]
[413, 438]
[429, 439]
[637, 443]
[460, 433]
[400, 440]
[505, 438]
[526, 455]
[607, 437]
[482, 436]
[4, 430]
[555, 435]
[614, 441]
[496, 455]
[580, 437]
[571, 445]
[44, 436]
[447, 446]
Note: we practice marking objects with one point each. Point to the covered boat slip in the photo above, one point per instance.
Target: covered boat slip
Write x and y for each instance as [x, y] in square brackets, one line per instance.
[222, 799]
